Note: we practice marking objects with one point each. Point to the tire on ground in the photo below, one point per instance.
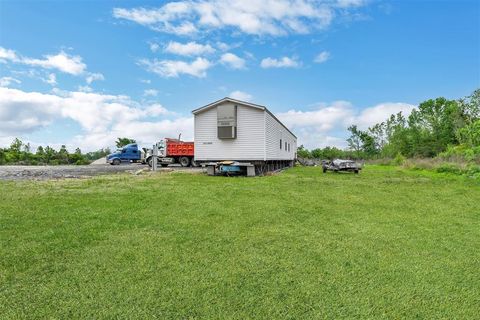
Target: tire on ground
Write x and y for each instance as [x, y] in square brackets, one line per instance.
[184, 161]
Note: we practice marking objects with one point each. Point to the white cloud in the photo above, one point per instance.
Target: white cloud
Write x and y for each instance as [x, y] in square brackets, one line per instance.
[174, 68]
[188, 49]
[147, 81]
[350, 3]
[322, 57]
[84, 88]
[327, 124]
[271, 17]
[150, 92]
[284, 62]
[323, 119]
[223, 46]
[102, 117]
[51, 79]
[6, 81]
[240, 95]
[7, 54]
[154, 47]
[22, 112]
[94, 77]
[232, 60]
[381, 112]
[62, 61]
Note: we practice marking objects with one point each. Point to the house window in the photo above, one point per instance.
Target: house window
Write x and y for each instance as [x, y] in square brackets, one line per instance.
[289, 147]
[285, 145]
[280, 144]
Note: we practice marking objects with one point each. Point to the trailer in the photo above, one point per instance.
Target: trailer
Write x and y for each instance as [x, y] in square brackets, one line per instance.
[338, 165]
[242, 132]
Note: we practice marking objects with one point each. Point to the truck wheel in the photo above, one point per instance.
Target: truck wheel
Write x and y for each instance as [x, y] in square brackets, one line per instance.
[159, 162]
[116, 162]
[356, 171]
[324, 170]
[184, 161]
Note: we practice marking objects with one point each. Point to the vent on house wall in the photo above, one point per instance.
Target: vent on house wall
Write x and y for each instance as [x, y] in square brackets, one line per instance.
[227, 121]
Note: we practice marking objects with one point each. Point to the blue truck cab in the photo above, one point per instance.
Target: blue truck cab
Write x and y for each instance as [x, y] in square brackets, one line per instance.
[128, 153]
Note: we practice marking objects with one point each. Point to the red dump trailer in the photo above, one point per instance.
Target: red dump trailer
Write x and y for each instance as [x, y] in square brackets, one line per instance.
[173, 151]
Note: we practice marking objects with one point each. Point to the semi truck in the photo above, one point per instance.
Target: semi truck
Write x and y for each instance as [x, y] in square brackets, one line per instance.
[169, 151]
[128, 153]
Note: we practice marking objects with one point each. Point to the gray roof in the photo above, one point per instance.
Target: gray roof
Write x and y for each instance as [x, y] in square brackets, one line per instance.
[243, 103]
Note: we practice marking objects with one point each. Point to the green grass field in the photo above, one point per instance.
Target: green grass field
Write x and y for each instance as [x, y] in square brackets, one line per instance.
[296, 245]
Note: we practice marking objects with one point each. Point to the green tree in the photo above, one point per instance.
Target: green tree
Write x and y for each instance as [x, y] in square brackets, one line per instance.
[49, 154]
[94, 155]
[433, 126]
[3, 158]
[303, 152]
[123, 142]
[470, 134]
[355, 140]
[470, 107]
[379, 135]
[40, 154]
[62, 155]
[14, 153]
[77, 157]
[317, 153]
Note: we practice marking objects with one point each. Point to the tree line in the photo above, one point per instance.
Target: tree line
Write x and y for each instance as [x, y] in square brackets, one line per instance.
[22, 153]
[438, 127]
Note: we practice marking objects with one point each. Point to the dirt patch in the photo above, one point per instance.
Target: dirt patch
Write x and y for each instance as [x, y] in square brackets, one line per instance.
[72, 171]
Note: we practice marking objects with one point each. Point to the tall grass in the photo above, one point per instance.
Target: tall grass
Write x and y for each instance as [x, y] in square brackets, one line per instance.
[451, 165]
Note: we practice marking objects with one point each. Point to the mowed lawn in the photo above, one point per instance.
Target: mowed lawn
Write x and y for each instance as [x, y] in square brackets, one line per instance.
[297, 245]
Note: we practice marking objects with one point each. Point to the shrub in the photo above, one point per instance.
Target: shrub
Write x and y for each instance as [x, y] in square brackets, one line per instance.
[449, 168]
[398, 160]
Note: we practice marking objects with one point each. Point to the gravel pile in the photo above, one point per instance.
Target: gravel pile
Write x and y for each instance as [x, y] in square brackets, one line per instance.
[100, 161]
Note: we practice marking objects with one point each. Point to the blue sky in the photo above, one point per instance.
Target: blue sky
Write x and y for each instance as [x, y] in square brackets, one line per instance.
[84, 72]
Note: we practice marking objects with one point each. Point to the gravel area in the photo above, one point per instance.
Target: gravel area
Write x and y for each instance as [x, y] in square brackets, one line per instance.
[72, 171]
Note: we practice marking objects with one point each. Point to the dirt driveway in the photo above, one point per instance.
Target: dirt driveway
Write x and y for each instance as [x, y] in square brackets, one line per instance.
[71, 171]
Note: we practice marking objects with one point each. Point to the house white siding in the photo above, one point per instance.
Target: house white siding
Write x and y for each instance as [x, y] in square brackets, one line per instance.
[275, 132]
[250, 141]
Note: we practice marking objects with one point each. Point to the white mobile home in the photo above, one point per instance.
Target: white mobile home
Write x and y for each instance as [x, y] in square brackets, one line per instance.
[230, 129]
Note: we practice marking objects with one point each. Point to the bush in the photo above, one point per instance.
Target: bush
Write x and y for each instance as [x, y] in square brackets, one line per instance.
[461, 152]
[449, 168]
[474, 170]
[82, 162]
[398, 160]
